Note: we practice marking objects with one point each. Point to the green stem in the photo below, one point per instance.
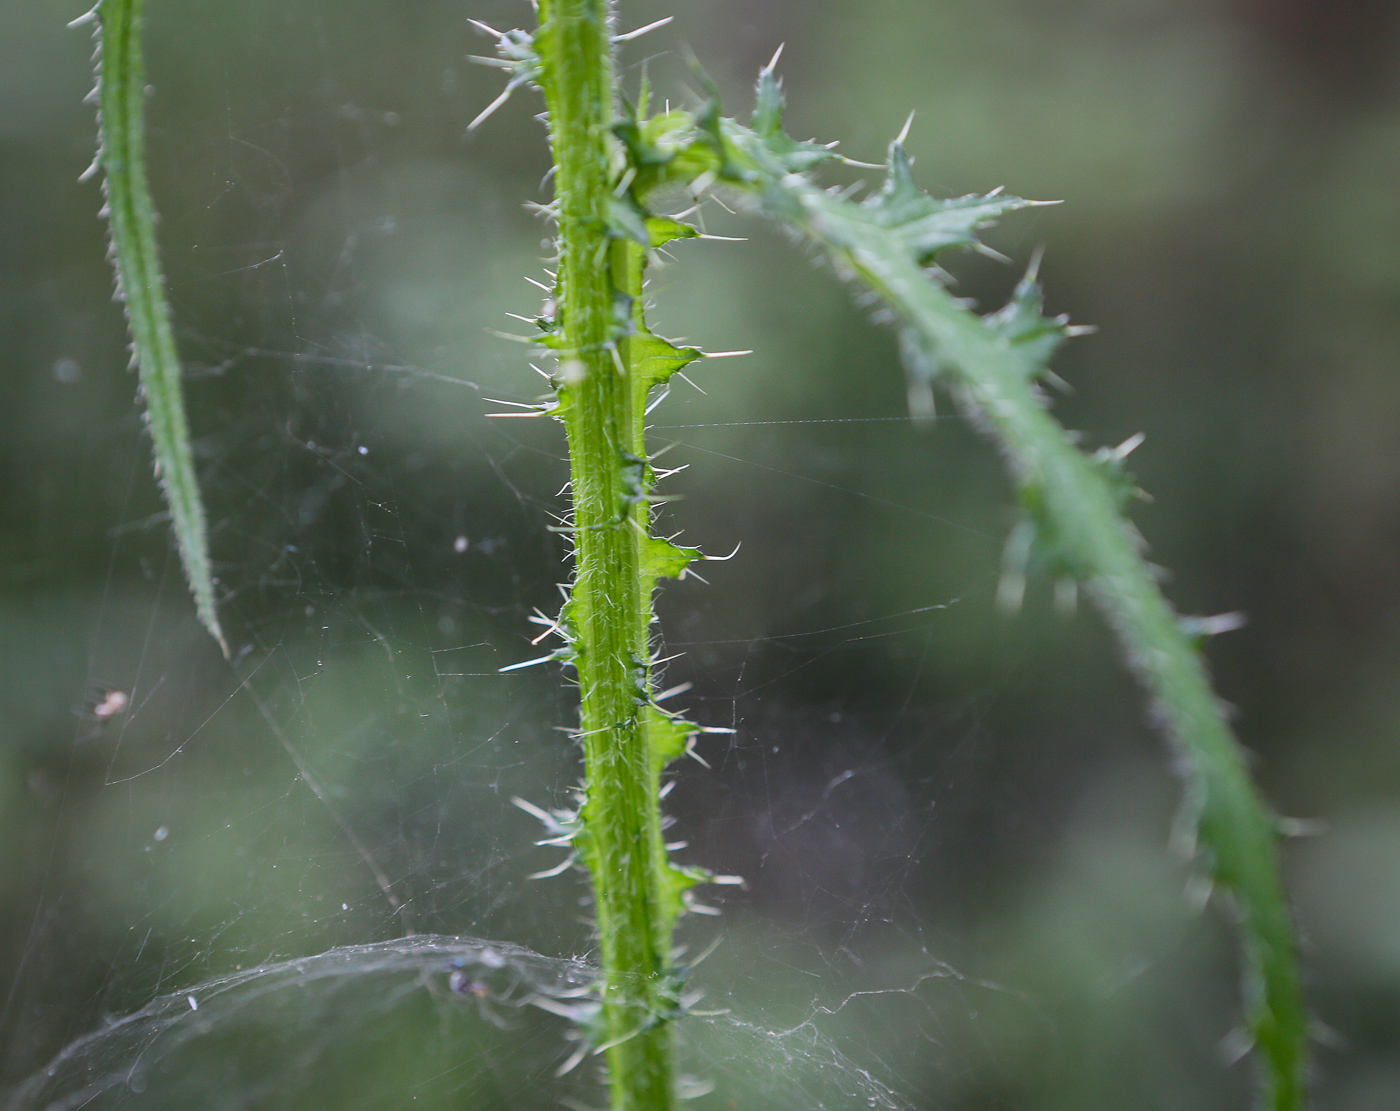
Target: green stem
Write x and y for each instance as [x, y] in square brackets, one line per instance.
[121, 87]
[1235, 829]
[1073, 501]
[609, 613]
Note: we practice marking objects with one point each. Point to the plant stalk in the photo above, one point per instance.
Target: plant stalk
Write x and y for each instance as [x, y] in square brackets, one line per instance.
[1224, 816]
[1074, 503]
[609, 613]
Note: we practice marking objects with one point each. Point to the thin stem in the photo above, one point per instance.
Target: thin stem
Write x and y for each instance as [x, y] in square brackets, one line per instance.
[121, 86]
[609, 612]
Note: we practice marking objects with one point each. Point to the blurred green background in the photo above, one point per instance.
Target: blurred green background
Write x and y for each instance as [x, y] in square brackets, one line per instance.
[954, 826]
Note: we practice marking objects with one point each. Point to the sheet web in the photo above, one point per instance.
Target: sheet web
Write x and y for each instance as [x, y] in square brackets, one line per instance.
[312, 862]
[301, 881]
[307, 880]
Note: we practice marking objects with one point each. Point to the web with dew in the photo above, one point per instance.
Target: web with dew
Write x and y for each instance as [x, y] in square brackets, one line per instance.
[309, 878]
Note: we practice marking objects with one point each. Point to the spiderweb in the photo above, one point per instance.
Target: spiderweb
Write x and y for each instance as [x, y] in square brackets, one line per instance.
[300, 881]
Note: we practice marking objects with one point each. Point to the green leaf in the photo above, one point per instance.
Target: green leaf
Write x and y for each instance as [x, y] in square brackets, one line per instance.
[993, 364]
[666, 736]
[1031, 335]
[121, 85]
[663, 560]
[767, 123]
[924, 226]
[629, 219]
[626, 220]
[662, 230]
[654, 359]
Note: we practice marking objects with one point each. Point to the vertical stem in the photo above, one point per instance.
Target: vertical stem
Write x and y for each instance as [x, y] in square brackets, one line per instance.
[610, 608]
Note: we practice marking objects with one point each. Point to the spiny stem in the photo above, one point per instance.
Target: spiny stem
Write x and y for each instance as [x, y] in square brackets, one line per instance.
[1075, 502]
[609, 611]
[121, 88]
[1235, 829]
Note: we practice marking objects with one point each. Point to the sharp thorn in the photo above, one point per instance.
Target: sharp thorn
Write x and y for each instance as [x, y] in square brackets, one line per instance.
[904, 131]
[640, 31]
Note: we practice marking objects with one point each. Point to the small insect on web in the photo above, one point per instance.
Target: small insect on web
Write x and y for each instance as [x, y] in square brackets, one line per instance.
[102, 703]
[469, 977]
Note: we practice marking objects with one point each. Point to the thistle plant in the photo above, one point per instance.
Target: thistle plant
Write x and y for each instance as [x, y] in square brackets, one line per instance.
[606, 370]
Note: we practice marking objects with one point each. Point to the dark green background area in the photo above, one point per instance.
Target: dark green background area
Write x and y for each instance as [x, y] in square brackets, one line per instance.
[963, 816]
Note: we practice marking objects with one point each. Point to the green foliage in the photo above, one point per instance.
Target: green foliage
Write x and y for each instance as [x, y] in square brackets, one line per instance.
[1073, 502]
[607, 363]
